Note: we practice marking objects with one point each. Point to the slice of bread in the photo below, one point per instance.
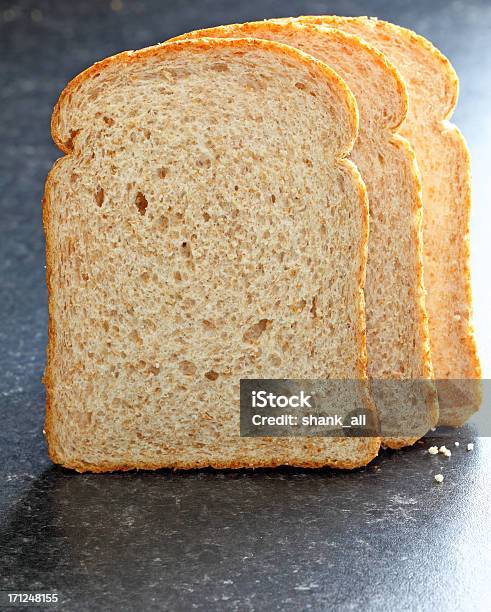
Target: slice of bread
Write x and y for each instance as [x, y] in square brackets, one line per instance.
[203, 226]
[444, 162]
[397, 325]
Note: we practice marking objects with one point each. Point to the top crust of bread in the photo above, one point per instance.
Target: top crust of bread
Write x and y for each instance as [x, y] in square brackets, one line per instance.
[64, 134]
[67, 132]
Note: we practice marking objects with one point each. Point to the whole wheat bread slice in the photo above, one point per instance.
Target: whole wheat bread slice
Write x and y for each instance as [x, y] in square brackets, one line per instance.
[203, 226]
[397, 325]
[444, 163]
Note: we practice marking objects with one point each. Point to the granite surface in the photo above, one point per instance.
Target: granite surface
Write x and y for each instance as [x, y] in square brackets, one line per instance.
[386, 537]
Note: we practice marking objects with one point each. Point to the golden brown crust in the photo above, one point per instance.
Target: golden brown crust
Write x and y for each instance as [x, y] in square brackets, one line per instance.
[65, 143]
[197, 46]
[363, 254]
[48, 373]
[373, 446]
[469, 338]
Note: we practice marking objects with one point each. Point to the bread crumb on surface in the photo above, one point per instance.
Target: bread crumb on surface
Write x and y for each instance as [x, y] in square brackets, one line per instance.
[457, 443]
[470, 446]
[442, 449]
[433, 450]
[439, 477]
[447, 452]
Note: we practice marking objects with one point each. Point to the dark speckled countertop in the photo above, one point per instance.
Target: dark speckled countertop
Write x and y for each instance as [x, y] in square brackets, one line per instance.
[386, 537]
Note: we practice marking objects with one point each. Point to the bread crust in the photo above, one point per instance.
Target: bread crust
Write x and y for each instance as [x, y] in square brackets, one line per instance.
[67, 143]
[48, 372]
[202, 45]
[82, 467]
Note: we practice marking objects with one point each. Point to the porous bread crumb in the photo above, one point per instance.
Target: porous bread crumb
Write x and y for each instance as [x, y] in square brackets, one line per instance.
[433, 450]
[447, 452]
[470, 446]
[439, 477]
[442, 449]
[457, 443]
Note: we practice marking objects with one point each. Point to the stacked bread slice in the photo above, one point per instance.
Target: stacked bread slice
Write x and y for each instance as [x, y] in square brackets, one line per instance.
[245, 202]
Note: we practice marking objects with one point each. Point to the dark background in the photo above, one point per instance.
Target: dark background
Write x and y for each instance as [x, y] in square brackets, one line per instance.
[383, 538]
